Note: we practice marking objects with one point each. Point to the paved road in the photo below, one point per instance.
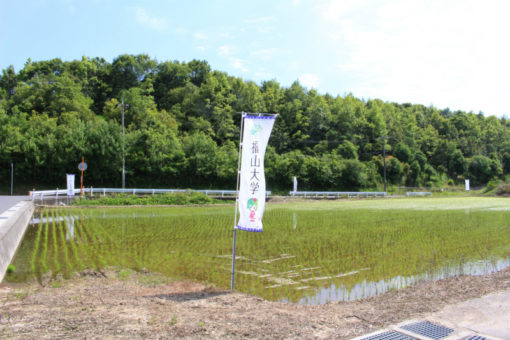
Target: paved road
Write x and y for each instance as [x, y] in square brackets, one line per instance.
[8, 201]
[488, 315]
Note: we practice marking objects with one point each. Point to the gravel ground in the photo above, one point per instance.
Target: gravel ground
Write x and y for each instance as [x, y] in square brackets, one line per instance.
[130, 305]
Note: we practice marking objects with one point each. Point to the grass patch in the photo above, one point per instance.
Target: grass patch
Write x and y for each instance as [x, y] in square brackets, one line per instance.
[21, 295]
[10, 269]
[178, 198]
[124, 274]
[56, 284]
[172, 321]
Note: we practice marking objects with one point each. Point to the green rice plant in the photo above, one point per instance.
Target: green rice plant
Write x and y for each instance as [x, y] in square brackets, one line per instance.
[82, 242]
[55, 248]
[95, 243]
[35, 252]
[105, 244]
[44, 254]
[63, 244]
[303, 250]
[71, 233]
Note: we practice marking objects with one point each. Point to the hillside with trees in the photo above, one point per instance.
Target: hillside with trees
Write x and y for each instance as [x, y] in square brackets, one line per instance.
[182, 130]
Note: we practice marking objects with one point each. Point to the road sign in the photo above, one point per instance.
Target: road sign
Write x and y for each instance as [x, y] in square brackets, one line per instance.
[82, 166]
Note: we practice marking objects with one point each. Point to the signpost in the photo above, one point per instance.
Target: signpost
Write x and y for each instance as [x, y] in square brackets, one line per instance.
[82, 167]
[70, 185]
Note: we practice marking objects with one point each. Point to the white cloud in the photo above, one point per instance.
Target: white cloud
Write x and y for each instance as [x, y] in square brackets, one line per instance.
[238, 64]
[293, 65]
[146, 20]
[334, 9]
[259, 20]
[263, 75]
[265, 54]
[449, 53]
[181, 30]
[309, 80]
[200, 36]
[224, 51]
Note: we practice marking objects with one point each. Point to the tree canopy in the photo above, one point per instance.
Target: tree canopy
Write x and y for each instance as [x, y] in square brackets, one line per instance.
[182, 130]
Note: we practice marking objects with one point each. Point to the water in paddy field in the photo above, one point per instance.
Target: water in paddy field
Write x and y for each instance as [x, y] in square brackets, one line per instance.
[308, 257]
[367, 289]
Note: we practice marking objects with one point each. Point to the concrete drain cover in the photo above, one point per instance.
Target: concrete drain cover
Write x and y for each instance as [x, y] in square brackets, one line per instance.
[390, 335]
[428, 329]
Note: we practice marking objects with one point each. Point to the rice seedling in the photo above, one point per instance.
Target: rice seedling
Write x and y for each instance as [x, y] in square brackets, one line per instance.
[44, 255]
[55, 248]
[63, 246]
[68, 222]
[35, 252]
[309, 253]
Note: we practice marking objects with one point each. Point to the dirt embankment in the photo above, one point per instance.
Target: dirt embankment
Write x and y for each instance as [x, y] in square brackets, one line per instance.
[128, 305]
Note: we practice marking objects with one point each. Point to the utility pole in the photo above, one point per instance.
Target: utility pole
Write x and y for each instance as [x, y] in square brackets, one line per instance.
[81, 181]
[12, 176]
[123, 155]
[384, 160]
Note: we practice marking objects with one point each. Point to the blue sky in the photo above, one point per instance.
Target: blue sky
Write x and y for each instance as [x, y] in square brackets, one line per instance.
[445, 53]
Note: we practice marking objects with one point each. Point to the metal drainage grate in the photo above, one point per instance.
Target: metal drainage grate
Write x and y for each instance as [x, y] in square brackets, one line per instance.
[390, 335]
[428, 329]
[477, 337]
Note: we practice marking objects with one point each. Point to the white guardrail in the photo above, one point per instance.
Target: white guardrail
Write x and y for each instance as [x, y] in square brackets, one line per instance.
[55, 194]
[332, 194]
[418, 193]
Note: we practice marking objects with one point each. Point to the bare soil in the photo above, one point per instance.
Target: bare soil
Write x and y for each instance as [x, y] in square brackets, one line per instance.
[130, 305]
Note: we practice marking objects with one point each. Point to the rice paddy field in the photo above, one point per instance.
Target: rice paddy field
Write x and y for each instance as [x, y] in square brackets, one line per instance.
[310, 252]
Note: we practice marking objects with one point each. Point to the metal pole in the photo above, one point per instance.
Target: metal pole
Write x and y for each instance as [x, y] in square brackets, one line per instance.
[232, 277]
[12, 177]
[82, 169]
[123, 155]
[384, 161]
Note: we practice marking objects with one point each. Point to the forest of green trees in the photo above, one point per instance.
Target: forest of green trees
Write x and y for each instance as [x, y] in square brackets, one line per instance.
[182, 130]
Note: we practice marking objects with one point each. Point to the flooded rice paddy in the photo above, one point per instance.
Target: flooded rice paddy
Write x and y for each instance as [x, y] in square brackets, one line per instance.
[308, 253]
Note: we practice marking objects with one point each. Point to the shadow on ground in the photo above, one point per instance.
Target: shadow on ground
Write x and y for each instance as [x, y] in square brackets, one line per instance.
[183, 297]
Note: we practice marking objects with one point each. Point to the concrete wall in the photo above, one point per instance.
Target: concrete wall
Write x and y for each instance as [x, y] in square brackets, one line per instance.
[13, 224]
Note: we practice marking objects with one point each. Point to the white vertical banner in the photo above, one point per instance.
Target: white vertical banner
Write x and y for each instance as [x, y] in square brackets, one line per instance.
[467, 184]
[295, 184]
[70, 184]
[252, 189]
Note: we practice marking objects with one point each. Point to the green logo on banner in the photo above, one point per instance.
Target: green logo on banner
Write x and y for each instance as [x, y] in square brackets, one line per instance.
[256, 129]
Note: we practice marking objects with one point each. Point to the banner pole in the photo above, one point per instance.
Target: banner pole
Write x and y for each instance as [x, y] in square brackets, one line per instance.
[232, 277]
